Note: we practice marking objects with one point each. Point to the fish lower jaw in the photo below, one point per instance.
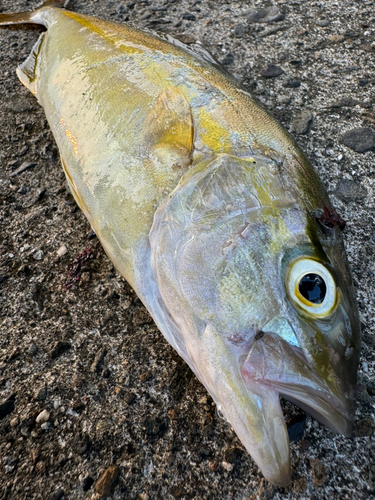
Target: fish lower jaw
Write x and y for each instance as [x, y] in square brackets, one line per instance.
[272, 365]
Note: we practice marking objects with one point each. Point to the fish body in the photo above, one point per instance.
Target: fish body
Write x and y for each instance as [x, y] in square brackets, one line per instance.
[212, 213]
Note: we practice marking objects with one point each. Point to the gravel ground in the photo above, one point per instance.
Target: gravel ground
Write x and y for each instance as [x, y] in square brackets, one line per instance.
[95, 403]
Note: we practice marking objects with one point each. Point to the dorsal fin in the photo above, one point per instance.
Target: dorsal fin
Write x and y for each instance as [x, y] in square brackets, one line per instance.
[31, 16]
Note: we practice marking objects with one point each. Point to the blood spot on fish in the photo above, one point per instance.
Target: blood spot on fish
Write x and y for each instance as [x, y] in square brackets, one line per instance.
[330, 218]
[236, 339]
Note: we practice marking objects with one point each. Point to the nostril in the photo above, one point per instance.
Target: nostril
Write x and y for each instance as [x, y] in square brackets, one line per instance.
[259, 335]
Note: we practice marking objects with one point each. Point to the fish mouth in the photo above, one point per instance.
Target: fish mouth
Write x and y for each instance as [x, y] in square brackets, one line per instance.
[274, 364]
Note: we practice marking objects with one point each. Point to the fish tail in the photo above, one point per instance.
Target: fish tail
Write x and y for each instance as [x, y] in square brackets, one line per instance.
[31, 16]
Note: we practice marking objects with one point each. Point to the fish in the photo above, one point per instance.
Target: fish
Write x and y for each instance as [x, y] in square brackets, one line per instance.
[210, 210]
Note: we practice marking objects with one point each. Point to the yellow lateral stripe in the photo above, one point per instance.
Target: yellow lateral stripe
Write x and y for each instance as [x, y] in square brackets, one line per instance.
[94, 27]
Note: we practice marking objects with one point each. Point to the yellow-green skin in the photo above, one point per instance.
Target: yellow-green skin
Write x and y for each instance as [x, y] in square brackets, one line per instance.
[140, 124]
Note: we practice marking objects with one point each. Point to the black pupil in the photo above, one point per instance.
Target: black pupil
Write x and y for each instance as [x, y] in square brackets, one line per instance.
[313, 288]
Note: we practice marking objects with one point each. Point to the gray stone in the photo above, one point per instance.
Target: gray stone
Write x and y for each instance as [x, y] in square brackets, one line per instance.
[271, 71]
[266, 15]
[40, 394]
[290, 83]
[346, 101]
[302, 122]
[348, 190]
[38, 255]
[360, 139]
[25, 165]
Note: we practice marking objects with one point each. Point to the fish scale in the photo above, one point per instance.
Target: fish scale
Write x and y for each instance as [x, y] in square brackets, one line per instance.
[210, 210]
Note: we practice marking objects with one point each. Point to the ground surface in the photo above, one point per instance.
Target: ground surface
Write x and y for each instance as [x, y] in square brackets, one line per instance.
[116, 394]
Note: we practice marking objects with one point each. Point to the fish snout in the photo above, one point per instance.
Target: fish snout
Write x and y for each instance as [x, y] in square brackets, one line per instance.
[274, 364]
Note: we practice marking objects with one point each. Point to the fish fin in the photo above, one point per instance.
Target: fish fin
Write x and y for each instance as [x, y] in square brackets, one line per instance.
[169, 126]
[197, 50]
[26, 72]
[55, 3]
[30, 16]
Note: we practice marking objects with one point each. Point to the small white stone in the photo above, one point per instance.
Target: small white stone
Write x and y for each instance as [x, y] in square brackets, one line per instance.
[62, 251]
[42, 417]
[227, 466]
[15, 421]
[45, 426]
[38, 255]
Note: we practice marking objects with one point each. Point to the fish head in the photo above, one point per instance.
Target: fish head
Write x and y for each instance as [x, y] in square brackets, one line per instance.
[262, 299]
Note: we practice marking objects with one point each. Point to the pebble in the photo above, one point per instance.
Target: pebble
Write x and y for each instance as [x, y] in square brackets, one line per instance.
[302, 122]
[284, 100]
[154, 426]
[343, 102]
[91, 234]
[318, 472]
[348, 190]
[227, 59]
[267, 15]
[7, 406]
[273, 30]
[58, 495]
[145, 376]
[43, 417]
[188, 16]
[213, 466]
[360, 139]
[300, 485]
[35, 454]
[240, 30]
[10, 464]
[290, 83]
[122, 9]
[40, 394]
[25, 165]
[233, 455]
[364, 427]
[271, 71]
[336, 38]
[98, 360]
[62, 251]
[227, 466]
[323, 23]
[147, 14]
[45, 426]
[38, 255]
[106, 482]
[15, 421]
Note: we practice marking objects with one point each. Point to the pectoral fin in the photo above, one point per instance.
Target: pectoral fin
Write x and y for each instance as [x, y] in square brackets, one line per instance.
[169, 128]
[26, 72]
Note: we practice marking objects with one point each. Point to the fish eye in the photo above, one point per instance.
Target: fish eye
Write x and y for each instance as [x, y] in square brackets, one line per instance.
[311, 286]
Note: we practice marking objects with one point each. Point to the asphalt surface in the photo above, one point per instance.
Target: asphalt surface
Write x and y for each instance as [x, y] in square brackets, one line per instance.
[93, 401]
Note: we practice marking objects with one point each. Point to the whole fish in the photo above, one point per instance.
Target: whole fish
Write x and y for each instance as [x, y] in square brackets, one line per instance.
[212, 213]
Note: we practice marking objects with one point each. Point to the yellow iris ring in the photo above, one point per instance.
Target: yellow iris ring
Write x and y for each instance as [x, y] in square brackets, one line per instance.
[300, 268]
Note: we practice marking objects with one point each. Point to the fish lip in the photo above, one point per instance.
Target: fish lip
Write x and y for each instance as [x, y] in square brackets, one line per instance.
[272, 358]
